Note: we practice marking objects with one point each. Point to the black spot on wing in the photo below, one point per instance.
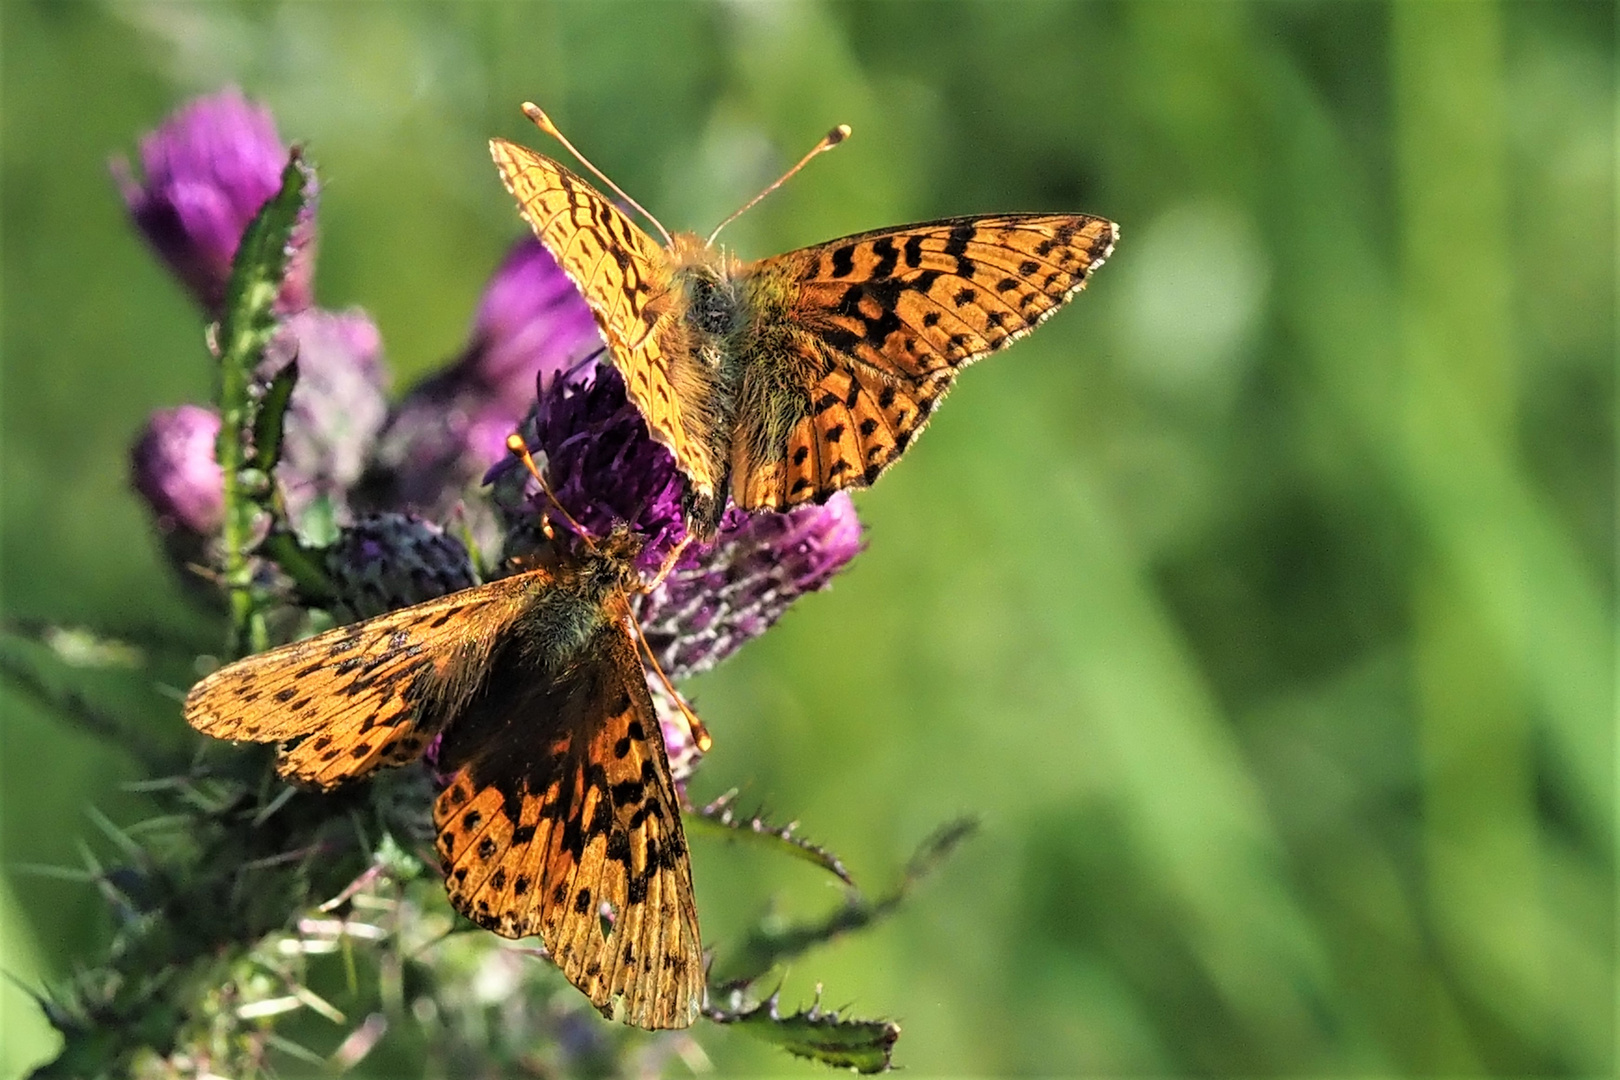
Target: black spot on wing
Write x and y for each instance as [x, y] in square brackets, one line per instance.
[914, 250]
[888, 257]
[843, 261]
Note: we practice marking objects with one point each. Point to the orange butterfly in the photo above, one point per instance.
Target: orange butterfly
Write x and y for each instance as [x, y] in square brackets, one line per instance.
[789, 378]
[560, 817]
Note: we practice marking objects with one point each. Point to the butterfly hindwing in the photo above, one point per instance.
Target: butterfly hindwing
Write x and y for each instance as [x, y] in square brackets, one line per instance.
[884, 320]
[856, 425]
[623, 275]
[369, 694]
[560, 809]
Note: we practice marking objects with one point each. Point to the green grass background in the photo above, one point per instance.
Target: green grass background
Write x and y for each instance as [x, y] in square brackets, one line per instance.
[1262, 602]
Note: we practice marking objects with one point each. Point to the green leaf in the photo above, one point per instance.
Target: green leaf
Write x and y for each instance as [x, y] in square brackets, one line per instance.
[769, 945]
[863, 1045]
[268, 425]
[720, 818]
[261, 263]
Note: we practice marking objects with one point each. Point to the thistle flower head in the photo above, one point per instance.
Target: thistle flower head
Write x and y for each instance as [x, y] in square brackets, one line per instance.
[758, 566]
[605, 469]
[389, 561]
[174, 468]
[530, 325]
[601, 464]
[338, 407]
[205, 173]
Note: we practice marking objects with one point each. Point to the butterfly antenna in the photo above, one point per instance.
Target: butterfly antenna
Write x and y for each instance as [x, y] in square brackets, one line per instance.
[543, 122]
[515, 444]
[700, 734]
[828, 141]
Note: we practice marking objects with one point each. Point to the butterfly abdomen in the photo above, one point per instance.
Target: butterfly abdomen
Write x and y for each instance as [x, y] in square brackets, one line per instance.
[709, 335]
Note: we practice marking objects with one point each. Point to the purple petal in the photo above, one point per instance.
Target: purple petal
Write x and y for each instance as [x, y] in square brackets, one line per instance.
[600, 462]
[531, 325]
[206, 172]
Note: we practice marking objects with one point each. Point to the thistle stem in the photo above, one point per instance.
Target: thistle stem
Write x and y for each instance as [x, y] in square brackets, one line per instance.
[245, 328]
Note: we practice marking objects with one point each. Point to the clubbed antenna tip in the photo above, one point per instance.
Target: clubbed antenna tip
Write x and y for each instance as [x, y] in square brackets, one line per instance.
[541, 120]
[828, 141]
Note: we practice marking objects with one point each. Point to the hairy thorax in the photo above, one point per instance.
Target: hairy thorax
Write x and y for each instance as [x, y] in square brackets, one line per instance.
[741, 353]
[569, 611]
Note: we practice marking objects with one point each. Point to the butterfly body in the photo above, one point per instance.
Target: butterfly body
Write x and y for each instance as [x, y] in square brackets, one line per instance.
[781, 381]
[562, 620]
[557, 795]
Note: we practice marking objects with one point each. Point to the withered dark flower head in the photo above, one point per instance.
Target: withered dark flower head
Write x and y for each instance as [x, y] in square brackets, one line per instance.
[338, 407]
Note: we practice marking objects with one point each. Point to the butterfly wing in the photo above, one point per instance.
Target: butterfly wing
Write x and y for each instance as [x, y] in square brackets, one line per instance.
[622, 274]
[560, 802]
[880, 323]
[369, 694]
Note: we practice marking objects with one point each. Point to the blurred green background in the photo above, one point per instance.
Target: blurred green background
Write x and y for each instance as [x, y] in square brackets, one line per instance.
[1262, 602]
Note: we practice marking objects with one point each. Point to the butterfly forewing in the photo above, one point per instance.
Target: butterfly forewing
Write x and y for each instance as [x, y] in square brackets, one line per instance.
[620, 271]
[884, 320]
[369, 694]
[561, 820]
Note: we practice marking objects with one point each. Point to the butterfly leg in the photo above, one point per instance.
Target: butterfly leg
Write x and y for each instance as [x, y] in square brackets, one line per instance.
[669, 564]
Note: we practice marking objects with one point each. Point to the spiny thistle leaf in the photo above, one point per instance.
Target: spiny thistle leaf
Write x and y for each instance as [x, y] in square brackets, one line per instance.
[268, 426]
[721, 818]
[768, 945]
[260, 265]
[865, 1046]
[245, 329]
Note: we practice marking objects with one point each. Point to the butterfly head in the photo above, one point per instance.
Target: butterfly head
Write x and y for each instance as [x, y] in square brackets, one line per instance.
[615, 556]
[714, 304]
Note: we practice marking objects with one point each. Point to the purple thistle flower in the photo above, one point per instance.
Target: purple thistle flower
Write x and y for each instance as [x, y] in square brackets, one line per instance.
[332, 422]
[530, 325]
[206, 172]
[759, 564]
[338, 407]
[600, 462]
[173, 466]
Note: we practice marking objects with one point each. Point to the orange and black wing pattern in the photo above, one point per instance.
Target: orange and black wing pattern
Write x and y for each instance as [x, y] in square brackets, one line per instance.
[624, 275]
[882, 322]
[373, 693]
[561, 820]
